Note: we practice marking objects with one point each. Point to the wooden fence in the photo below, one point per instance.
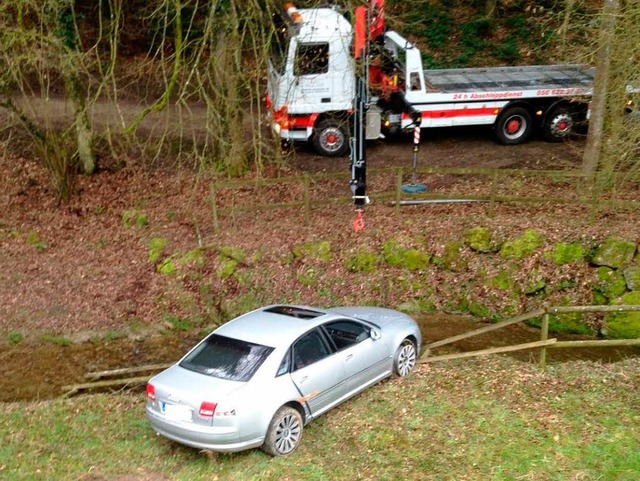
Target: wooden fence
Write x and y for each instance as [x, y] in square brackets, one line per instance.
[544, 343]
[398, 198]
[120, 378]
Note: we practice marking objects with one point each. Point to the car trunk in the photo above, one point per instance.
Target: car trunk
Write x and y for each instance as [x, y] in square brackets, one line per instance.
[182, 395]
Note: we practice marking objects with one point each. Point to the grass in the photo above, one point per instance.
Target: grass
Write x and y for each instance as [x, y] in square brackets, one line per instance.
[484, 419]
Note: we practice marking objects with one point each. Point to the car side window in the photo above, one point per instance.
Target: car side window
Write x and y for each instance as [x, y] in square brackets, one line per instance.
[346, 333]
[284, 365]
[308, 349]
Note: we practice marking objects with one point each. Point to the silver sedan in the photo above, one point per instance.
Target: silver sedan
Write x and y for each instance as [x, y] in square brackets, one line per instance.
[258, 379]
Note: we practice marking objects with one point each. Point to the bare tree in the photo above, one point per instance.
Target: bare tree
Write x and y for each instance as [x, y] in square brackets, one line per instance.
[591, 158]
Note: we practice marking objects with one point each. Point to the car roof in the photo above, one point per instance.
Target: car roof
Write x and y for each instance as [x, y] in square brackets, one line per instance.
[277, 325]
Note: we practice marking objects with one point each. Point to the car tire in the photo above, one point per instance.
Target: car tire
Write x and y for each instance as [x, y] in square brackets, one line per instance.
[284, 433]
[331, 137]
[514, 126]
[405, 358]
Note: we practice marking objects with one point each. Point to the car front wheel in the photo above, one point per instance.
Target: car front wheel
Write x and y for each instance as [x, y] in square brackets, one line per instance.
[284, 433]
[405, 358]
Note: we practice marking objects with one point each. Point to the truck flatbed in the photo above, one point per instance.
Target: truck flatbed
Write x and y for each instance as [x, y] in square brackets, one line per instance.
[509, 78]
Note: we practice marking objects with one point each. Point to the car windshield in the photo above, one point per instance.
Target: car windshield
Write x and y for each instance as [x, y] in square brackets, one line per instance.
[226, 358]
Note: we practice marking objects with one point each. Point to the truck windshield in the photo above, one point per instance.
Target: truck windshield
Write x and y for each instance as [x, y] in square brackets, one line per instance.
[279, 43]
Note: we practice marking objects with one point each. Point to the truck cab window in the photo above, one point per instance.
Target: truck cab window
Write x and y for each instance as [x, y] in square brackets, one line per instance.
[279, 44]
[312, 59]
[414, 81]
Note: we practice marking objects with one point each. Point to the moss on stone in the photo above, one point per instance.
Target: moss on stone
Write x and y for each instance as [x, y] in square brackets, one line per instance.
[626, 324]
[479, 310]
[417, 306]
[522, 246]
[411, 259]
[156, 248]
[614, 253]
[415, 260]
[167, 267]
[193, 257]
[227, 268]
[610, 284]
[362, 261]
[534, 283]
[632, 277]
[480, 239]
[452, 259]
[308, 277]
[569, 323]
[392, 253]
[134, 218]
[503, 281]
[320, 251]
[567, 253]
[232, 253]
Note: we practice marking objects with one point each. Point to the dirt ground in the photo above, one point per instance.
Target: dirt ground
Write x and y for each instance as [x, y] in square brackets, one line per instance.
[75, 268]
[75, 271]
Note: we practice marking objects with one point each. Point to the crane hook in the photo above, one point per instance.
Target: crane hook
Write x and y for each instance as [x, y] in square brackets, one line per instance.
[358, 223]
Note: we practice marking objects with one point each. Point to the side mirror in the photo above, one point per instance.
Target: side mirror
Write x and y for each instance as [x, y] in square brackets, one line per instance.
[375, 334]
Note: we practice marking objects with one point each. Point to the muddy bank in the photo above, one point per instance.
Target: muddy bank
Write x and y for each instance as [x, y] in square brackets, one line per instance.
[39, 371]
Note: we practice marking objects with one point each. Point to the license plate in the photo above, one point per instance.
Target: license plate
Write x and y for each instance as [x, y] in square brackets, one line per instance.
[176, 412]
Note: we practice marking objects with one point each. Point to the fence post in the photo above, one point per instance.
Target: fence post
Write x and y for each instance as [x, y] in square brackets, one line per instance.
[492, 205]
[214, 207]
[306, 200]
[544, 334]
[398, 191]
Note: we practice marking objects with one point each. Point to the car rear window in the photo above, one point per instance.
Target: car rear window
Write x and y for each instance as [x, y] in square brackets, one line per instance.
[226, 358]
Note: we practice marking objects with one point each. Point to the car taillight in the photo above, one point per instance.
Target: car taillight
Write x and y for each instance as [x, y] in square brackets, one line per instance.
[207, 409]
[151, 392]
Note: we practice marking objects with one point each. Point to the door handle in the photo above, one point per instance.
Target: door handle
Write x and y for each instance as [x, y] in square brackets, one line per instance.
[348, 358]
[303, 379]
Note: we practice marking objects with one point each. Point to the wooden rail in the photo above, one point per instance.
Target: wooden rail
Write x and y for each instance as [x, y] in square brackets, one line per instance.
[544, 343]
[97, 380]
[306, 201]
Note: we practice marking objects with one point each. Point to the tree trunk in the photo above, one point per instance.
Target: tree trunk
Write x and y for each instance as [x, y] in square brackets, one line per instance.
[490, 8]
[591, 157]
[84, 134]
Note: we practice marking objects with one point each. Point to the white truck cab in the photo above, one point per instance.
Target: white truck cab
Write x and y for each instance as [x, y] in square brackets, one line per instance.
[311, 79]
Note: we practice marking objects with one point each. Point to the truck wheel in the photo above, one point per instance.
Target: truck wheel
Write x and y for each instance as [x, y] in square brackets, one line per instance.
[558, 124]
[331, 137]
[514, 126]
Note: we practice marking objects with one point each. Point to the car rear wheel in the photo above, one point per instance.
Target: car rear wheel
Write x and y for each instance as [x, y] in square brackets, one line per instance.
[405, 358]
[284, 433]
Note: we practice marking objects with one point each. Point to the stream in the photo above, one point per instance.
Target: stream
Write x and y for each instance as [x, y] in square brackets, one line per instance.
[31, 372]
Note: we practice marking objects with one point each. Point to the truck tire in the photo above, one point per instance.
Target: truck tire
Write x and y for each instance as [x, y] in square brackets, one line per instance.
[514, 126]
[558, 124]
[331, 137]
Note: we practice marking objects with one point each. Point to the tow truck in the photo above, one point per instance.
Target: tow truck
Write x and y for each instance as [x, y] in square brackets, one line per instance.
[312, 75]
